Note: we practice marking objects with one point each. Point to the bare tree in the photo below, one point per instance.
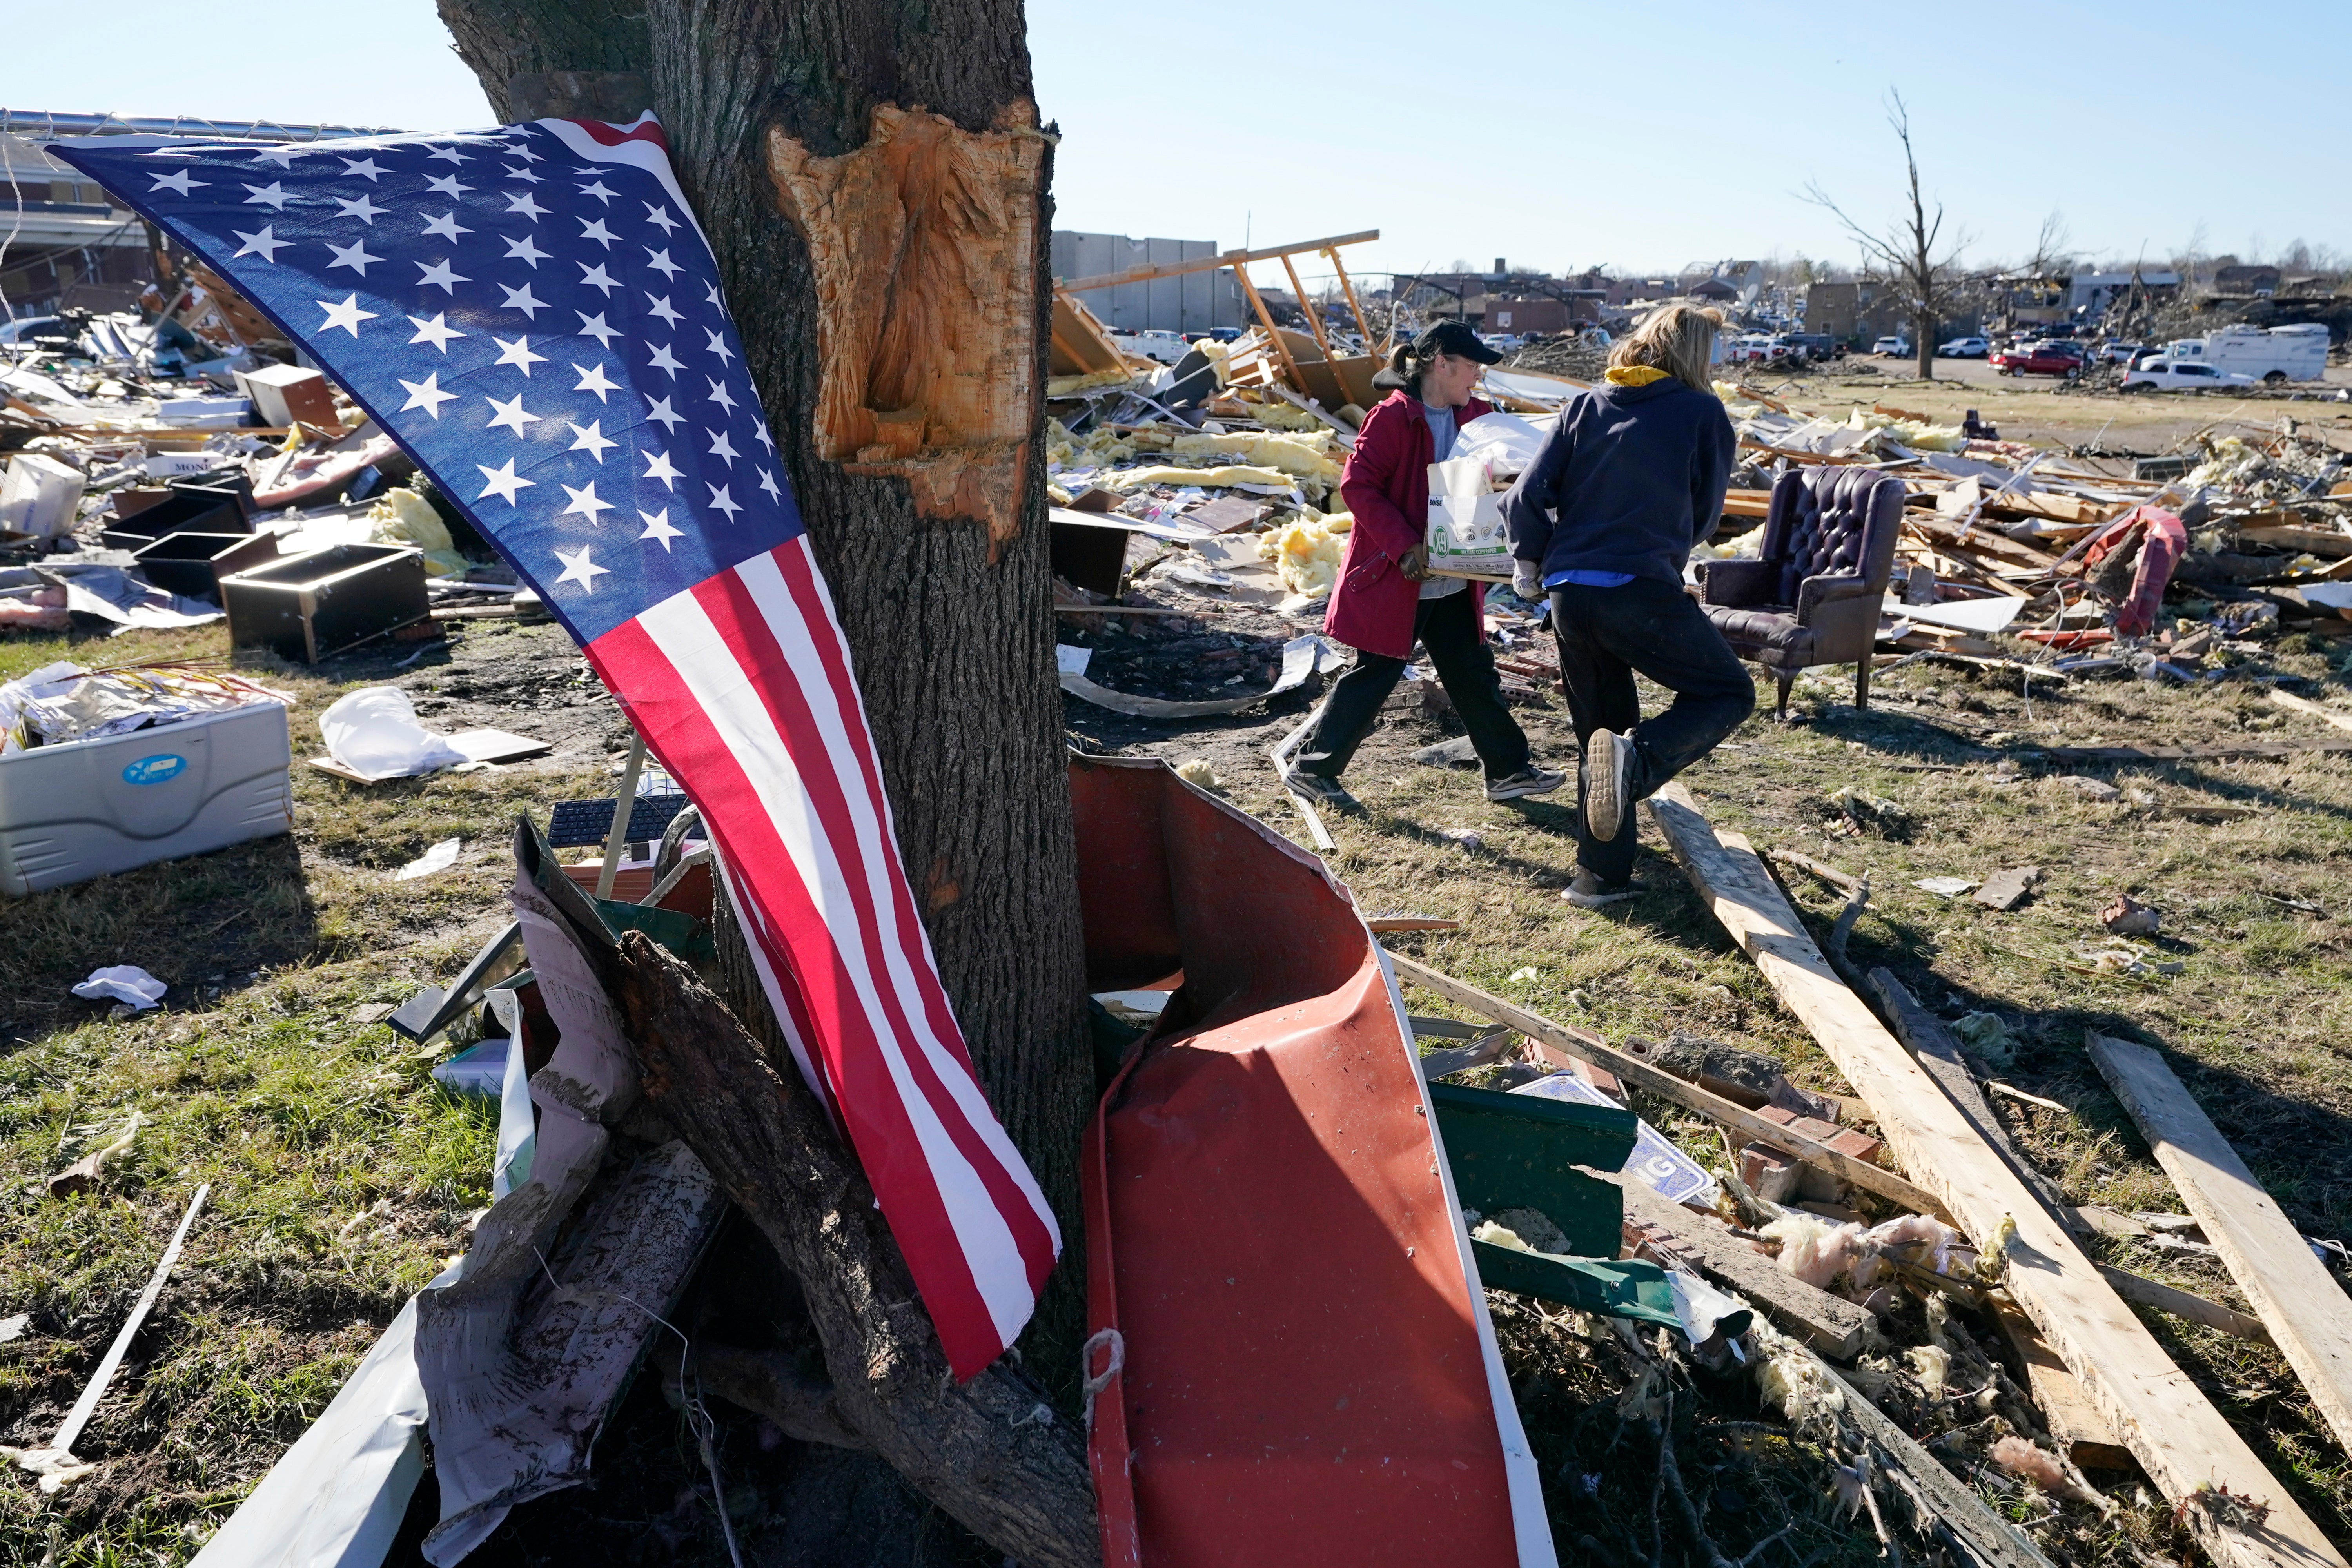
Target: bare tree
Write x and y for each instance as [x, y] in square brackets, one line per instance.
[2051, 253]
[1907, 250]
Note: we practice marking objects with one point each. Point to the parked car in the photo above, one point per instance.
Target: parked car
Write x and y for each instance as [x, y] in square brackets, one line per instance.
[2113, 351]
[1964, 348]
[2183, 376]
[1502, 342]
[26, 328]
[2041, 359]
[1892, 348]
[1818, 345]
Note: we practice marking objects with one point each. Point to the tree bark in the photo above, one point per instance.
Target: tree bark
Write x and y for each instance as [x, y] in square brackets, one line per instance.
[903, 139]
[989, 1451]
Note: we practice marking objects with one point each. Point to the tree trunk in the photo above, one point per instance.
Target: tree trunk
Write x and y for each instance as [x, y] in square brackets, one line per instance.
[873, 182]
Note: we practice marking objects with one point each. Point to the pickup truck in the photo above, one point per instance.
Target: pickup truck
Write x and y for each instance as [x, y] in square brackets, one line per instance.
[2182, 375]
[2040, 359]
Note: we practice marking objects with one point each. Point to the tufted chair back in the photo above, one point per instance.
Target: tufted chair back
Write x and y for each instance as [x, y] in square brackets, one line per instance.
[1832, 521]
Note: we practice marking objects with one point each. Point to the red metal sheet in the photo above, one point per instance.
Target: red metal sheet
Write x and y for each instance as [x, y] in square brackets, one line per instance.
[1277, 1259]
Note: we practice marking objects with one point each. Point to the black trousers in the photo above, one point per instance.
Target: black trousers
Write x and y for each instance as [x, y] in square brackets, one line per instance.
[1449, 630]
[1608, 634]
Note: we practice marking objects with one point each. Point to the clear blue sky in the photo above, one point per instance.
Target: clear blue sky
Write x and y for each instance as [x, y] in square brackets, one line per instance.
[1556, 134]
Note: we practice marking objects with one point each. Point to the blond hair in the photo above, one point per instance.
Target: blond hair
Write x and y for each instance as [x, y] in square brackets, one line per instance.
[1676, 339]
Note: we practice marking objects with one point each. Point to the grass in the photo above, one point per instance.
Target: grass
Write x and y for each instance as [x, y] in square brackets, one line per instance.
[343, 1175]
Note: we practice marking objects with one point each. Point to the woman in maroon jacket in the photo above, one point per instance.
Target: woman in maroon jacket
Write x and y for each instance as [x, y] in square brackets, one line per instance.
[1386, 600]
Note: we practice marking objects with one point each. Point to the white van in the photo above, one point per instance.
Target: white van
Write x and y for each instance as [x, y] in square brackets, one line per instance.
[2276, 355]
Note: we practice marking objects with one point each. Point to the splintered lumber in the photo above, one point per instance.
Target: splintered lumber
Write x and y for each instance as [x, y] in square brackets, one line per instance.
[2185, 1305]
[2305, 705]
[1587, 1046]
[2307, 1312]
[2075, 1421]
[1830, 1324]
[2170, 1427]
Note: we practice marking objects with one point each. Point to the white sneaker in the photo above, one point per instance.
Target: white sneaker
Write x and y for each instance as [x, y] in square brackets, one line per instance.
[1608, 759]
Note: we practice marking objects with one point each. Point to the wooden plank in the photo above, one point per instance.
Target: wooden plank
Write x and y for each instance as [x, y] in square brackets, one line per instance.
[1348, 287]
[1586, 1047]
[2185, 1305]
[2074, 1419]
[2180, 1440]
[1830, 1324]
[1235, 259]
[2307, 541]
[2305, 705]
[2307, 1312]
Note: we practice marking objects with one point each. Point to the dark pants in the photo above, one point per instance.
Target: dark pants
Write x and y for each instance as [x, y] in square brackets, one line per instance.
[1449, 630]
[1608, 634]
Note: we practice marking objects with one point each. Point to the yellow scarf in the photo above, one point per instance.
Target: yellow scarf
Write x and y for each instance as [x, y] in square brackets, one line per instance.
[1634, 374]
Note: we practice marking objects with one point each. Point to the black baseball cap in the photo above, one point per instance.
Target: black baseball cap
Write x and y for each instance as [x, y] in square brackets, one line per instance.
[1453, 337]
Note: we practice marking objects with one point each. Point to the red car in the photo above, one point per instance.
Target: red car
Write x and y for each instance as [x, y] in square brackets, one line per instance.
[2040, 359]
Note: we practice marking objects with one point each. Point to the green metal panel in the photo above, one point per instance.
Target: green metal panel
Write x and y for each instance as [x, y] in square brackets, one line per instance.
[1629, 1288]
[1517, 1151]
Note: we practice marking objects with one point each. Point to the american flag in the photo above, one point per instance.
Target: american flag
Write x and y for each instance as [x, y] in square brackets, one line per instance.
[533, 314]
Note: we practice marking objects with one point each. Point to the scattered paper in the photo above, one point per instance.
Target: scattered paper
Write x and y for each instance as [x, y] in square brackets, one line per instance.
[374, 734]
[124, 983]
[440, 858]
[1663, 1168]
[1944, 887]
[13, 1328]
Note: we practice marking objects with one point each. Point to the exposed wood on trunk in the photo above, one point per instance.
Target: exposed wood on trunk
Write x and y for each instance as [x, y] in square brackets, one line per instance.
[2161, 1417]
[773, 1383]
[924, 247]
[990, 1452]
[1830, 1324]
[2307, 1312]
[1586, 1047]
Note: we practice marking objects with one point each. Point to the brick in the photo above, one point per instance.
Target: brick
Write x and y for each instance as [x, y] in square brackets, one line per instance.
[1771, 1173]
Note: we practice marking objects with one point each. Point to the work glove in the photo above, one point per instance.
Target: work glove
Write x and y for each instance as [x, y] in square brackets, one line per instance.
[1527, 580]
[1415, 565]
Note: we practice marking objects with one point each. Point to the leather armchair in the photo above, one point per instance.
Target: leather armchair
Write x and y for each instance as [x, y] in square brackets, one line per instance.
[1814, 594]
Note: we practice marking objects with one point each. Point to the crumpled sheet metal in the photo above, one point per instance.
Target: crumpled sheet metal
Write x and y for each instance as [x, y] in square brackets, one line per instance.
[1305, 1369]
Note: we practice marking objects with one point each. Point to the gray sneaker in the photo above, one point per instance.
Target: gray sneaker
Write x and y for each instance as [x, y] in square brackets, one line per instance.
[1608, 758]
[1589, 892]
[1319, 789]
[1526, 782]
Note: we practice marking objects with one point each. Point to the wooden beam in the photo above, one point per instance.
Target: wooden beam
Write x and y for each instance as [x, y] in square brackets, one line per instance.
[2182, 1442]
[2076, 1422]
[2185, 1305]
[2307, 1312]
[1587, 1046]
[2305, 705]
[1236, 259]
[1830, 1324]
[1314, 316]
[1273, 332]
[1348, 287]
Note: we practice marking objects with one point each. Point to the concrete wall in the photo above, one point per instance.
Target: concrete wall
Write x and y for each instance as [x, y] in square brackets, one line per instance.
[1193, 303]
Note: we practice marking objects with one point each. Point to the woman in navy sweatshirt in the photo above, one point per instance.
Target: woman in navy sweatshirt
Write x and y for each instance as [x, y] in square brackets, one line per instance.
[1630, 479]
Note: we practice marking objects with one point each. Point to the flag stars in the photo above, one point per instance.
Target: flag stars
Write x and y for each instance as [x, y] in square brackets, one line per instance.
[447, 184]
[596, 278]
[511, 413]
[581, 569]
[441, 276]
[759, 434]
[182, 182]
[447, 225]
[657, 528]
[661, 413]
[721, 396]
[718, 345]
[427, 394]
[347, 315]
[448, 155]
[663, 360]
[437, 332]
[599, 192]
[361, 208]
[710, 296]
[660, 215]
[595, 327]
[721, 448]
[524, 175]
[658, 466]
[662, 264]
[363, 168]
[523, 204]
[517, 354]
[664, 310]
[502, 481]
[265, 244]
[768, 483]
[584, 503]
[354, 256]
[523, 300]
[594, 379]
[524, 251]
[283, 155]
[721, 501]
[591, 440]
[599, 233]
[271, 195]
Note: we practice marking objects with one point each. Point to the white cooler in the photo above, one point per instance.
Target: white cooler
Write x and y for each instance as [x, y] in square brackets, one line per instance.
[90, 808]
